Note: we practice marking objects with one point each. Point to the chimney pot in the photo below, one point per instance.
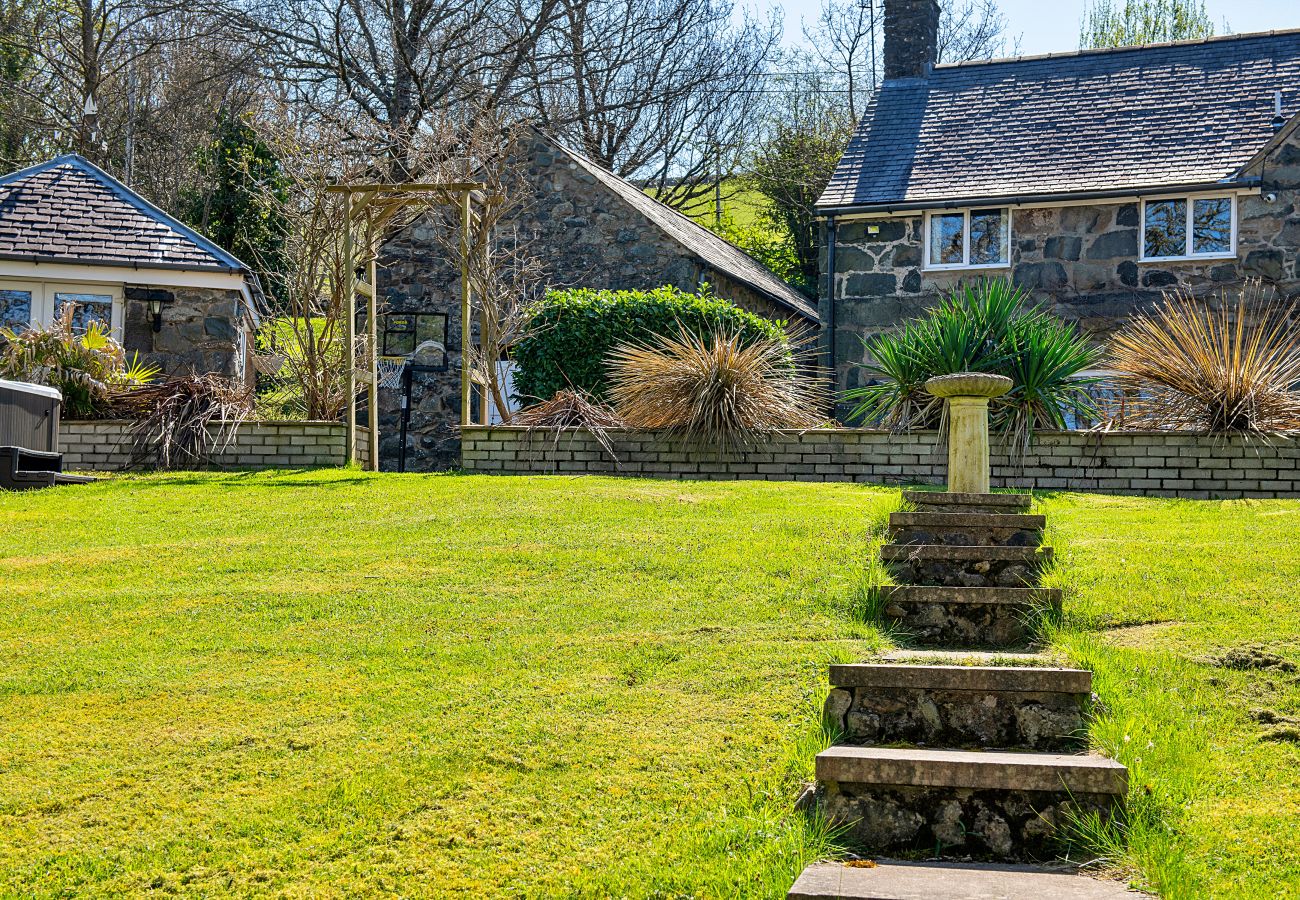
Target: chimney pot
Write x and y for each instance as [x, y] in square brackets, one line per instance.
[911, 38]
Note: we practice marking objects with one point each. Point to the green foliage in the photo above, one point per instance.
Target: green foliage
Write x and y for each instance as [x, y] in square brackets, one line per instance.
[1133, 22]
[243, 189]
[771, 245]
[791, 167]
[86, 368]
[572, 332]
[981, 327]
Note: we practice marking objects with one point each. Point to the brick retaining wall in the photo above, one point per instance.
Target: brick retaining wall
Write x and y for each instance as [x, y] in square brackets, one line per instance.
[105, 446]
[1149, 463]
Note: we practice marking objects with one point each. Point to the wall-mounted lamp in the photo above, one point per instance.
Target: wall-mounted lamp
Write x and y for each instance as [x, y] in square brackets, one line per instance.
[155, 310]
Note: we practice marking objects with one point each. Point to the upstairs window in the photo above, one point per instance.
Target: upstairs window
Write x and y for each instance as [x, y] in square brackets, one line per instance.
[968, 239]
[1189, 227]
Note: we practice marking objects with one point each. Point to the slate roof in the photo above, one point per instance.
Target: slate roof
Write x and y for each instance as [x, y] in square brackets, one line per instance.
[1163, 115]
[70, 211]
[701, 243]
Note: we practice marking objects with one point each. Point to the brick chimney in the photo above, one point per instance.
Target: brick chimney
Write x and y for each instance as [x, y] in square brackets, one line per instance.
[911, 38]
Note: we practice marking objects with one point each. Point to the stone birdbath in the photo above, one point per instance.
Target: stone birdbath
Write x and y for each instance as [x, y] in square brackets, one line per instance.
[967, 395]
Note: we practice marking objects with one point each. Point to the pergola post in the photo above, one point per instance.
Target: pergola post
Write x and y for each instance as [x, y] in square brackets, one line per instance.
[350, 326]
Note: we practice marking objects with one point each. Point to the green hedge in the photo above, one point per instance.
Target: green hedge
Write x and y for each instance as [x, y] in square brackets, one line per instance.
[573, 331]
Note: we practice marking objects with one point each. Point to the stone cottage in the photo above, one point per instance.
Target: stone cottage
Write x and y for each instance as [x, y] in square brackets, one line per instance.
[70, 233]
[589, 228]
[1095, 180]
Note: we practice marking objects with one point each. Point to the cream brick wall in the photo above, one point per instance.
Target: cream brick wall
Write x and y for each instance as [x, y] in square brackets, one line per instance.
[1145, 463]
[106, 446]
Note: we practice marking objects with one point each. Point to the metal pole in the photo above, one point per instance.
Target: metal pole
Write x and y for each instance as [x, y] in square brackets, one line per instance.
[372, 328]
[350, 327]
[464, 309]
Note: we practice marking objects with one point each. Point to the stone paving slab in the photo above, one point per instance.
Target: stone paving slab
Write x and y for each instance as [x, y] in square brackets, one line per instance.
[936, 500]
[973, 769]
[963, 678]
[897, 880]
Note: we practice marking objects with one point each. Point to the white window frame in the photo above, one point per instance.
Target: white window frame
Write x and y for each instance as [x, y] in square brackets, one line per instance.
[1189, 256]
[43, 293]
[929, 266]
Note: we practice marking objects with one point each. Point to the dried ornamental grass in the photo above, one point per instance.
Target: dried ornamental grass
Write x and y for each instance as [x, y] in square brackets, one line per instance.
[719, 388]
[572, 408]
[1230, 369]
[175, 419]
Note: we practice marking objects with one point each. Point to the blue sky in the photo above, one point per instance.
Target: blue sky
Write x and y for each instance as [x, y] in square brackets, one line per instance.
[1046, 26]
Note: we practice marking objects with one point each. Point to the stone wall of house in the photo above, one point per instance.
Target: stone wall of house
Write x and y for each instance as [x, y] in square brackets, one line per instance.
[584, 235]
[106, 446]
[1155, 464]
[200, 329]
[1081, 261]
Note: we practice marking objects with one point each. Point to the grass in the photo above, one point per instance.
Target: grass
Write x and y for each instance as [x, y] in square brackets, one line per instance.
[334, 684]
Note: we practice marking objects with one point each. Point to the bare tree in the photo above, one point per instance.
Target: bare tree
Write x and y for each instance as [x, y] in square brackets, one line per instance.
[846, 40]
[661, 90]
[398, 63]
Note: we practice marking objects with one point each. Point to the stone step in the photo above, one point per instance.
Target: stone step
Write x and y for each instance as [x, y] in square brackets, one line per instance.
[966, 566]
[988, 804]
[1007, 707]
[901, 880]
[971, 657]
[940, 501]
[969, 529]
[967, 617]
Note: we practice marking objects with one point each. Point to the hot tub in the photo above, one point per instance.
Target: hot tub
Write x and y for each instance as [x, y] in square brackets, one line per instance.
[29, 416]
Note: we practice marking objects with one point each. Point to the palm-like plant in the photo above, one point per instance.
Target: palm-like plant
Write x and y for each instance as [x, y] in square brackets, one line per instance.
[86, 368]
[980, 327]
[1230, 369]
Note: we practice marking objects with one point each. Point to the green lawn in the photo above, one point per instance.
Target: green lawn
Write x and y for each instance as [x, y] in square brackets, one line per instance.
[338, 684]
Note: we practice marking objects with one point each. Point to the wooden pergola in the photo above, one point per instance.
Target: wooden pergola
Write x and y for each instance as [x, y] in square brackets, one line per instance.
[368, 211]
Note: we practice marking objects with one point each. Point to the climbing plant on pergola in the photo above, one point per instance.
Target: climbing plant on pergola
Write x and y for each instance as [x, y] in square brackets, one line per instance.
[369, 211]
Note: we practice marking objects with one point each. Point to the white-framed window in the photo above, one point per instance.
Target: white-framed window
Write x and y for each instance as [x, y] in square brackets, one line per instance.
[1194, 227]
[23, 303]
[968, 239]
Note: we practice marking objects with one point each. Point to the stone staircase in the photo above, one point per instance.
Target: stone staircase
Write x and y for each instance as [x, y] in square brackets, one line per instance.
[946, 750]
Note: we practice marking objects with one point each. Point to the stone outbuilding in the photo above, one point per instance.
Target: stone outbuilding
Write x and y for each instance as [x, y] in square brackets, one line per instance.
[589, 228]
[70, 233]
[1095, 180]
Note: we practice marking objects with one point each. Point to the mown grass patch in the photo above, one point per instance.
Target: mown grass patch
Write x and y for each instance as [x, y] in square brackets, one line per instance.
[342, 684]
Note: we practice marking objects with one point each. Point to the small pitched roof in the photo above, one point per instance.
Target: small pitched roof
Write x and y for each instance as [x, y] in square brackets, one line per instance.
[71, 211]
[1172, 115]
[706, 246]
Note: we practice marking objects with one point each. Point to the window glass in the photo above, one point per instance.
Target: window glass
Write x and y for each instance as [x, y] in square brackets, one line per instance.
[15, 309]
[1166, 228]
[947, 239]
[986, 237]
[1212, 225]
[89, 308]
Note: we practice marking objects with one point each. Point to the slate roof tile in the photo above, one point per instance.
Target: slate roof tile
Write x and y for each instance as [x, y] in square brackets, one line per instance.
[1139, 117]
[67, 210]
[706, 246]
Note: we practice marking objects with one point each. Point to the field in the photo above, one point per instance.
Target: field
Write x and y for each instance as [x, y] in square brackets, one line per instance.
[336, 684]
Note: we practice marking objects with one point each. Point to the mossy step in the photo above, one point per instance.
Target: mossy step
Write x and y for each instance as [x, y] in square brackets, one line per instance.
[940, 501]
[972, 529]
[995, 770]
[988, 804]
[966, 565]
[886, 879]
[955, 616]
[1027, 658]
[960, 706]
[996, 679]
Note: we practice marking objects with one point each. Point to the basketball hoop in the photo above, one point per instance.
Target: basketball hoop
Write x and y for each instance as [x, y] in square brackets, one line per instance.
[390, 370]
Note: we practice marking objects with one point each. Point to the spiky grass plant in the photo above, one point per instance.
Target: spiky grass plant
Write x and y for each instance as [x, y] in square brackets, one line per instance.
[987, 326]
[721, 388]
[1226, 368]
